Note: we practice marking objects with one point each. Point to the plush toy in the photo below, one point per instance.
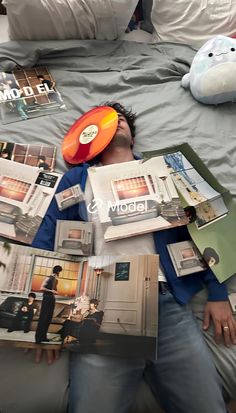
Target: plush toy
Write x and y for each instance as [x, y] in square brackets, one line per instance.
[212, 76]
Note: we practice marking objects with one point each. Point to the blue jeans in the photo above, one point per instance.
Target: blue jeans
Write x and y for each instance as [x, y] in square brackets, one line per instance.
[183, 377]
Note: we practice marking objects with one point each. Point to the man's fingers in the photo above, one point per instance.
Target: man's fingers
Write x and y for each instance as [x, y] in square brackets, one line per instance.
[38, 355]
[218, 332]
[52, 355]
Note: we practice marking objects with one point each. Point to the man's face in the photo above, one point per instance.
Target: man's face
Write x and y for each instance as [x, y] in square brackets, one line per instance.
[123, 133]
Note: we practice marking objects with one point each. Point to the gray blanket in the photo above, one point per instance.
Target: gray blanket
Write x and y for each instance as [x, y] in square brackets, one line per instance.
[146, 77]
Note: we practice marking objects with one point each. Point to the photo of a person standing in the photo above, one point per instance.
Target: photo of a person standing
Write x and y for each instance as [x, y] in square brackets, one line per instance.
[49, 289]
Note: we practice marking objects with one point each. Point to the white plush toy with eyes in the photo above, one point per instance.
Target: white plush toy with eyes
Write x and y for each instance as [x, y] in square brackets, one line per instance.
[212, 76]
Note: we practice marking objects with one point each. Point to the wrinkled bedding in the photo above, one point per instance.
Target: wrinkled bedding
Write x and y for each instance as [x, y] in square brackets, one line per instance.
[144, 76]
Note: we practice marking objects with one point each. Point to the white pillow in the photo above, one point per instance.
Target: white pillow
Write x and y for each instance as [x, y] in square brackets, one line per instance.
[193, 21]
[68, 19]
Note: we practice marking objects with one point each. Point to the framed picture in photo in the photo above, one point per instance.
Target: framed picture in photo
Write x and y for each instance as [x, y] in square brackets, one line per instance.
[122, 271]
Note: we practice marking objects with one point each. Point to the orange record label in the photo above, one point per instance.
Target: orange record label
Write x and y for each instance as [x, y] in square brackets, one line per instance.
[90, 135]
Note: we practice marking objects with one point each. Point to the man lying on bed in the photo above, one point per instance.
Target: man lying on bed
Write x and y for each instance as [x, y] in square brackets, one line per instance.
[184, 370]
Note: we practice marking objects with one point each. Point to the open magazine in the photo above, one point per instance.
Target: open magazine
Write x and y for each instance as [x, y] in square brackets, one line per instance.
[28, 93]
[25, 194]
[135, 197]
[104, 304]
[42, 156]
[209, 205]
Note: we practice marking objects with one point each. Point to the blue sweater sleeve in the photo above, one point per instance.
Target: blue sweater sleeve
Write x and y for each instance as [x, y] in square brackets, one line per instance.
[216, 291]
[45, 236]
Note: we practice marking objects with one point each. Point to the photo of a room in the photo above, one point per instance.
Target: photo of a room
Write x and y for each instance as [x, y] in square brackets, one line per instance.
[103, 304]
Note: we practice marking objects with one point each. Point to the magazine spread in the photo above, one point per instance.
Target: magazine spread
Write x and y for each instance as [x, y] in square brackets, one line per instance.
[42, 156]
[25, 194]
[103, 304]
[135, 197]
[74, 237]
[209, 218]
[28, 93]
[186, 258]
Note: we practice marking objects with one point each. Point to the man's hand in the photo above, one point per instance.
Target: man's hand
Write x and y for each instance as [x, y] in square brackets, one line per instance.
[51, 355]
[224, 324]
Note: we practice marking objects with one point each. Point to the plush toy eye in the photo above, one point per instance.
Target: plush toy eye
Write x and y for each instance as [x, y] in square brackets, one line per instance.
[210, 54]
[232, 49]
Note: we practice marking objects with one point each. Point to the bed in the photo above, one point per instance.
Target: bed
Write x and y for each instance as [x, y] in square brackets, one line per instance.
[146, 76]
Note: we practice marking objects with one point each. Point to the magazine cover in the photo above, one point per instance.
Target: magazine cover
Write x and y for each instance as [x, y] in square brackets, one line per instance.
[186, 258]
[42, 156]
[105, 305]
[74, 237]
[25, 194]
[213, 221]
[134, 198]
[28, 93]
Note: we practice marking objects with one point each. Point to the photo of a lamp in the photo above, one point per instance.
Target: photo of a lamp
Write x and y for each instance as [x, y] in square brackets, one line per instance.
[98, 271]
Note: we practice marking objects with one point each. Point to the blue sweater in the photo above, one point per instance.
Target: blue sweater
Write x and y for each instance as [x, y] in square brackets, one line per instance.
[183, 288]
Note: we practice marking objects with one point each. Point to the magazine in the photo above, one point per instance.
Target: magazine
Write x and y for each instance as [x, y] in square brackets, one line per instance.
[135, 197]
[42, 156]
[104, 304]
[25, 194]
[193, 186]
[28, 93]
[74, 237]
[186, 258]
[209, 206]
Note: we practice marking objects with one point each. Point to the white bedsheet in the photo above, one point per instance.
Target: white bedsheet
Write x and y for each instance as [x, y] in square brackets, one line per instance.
[3, 29]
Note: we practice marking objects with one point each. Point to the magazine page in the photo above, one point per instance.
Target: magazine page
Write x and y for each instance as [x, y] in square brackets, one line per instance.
[25, 194]
[196, 186]
[74, 237]
[135, 198]
[22, 272]
[121, 319]
[213, 222]
[186, 258]
[102, 304]
[27, 94]
[42, 156]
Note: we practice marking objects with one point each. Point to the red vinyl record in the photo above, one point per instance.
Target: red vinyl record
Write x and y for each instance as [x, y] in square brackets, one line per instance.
[90, 135]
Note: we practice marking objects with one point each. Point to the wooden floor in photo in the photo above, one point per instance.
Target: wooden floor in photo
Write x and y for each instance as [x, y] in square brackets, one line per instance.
[20, 339]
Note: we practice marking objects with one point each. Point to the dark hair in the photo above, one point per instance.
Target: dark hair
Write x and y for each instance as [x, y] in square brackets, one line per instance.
[128, 114]
[57, 269]
[39, 76]
[42, 157]
[94, 301]
[209, 253]
[191, 214]
[33, 295]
